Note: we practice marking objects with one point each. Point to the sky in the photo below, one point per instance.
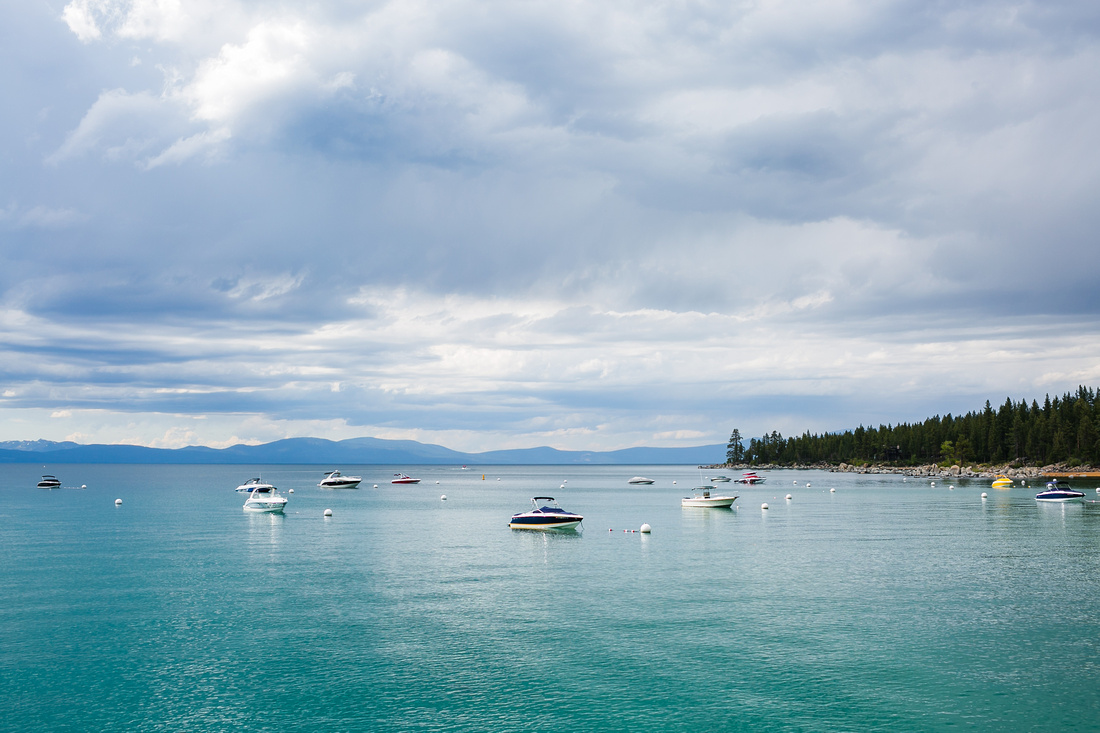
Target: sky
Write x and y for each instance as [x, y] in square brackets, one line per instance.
[498, 225]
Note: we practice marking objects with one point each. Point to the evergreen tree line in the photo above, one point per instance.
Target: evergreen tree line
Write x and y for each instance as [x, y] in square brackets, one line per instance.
[1061, 430]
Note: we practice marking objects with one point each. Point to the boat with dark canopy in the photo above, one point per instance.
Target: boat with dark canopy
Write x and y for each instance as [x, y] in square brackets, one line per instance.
[547, 516]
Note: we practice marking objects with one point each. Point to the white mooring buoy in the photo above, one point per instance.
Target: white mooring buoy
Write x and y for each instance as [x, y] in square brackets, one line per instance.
[764, 505]
[443, 498]
[118, 502]
[376, 486]
[291, 491]
[951, 488]
[328, 512]
[832, 491]
[807, 484]
[674, 483]
[984, 495]
[437, 483]
[84, 486]
[789, 497]
[646, 529]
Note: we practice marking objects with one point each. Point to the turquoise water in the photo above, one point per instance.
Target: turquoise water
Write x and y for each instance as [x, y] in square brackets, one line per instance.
[887, 605]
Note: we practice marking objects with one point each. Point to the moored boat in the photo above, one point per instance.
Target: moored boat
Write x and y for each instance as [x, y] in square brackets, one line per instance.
[547, 516]
[640, 480]
[1059, 491]
[720, 479]
[49, 482]
[702, 497]
[1002, 482]
[252, 483]
[750, 477]
[336, 480]
[265, 498]
[404, 478]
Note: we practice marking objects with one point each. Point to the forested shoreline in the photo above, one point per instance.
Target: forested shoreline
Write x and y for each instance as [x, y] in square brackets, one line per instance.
[1060, 430]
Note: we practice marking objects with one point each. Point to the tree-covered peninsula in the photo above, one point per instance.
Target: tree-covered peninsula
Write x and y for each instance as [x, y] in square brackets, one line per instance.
[1061, 430]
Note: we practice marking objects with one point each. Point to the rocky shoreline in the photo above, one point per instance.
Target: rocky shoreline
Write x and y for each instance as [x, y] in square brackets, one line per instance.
[1060, 470]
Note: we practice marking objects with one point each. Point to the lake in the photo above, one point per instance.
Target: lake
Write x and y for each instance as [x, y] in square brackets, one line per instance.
[889, 604]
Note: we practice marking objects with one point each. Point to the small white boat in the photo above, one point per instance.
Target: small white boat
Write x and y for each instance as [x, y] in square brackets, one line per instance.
[547, 516]
[252, 483]
[336, 480]
[640, 480]
[265, 498]
[404, 478]
[703, 497]
[49, 482]
[720, 479]
[1059, 491]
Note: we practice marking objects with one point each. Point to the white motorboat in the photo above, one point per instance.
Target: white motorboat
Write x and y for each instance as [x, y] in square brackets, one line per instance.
[49, 482]
[265, 498]
[720, 479]
[640, 480]
[252, 483]
[336, 480]
[547, 516]
[702, 497]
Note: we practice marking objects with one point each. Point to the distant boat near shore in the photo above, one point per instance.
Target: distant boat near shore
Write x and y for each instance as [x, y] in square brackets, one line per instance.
[640, 480]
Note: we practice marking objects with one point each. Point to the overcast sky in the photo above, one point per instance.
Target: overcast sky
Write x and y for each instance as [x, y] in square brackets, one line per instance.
[507, 224]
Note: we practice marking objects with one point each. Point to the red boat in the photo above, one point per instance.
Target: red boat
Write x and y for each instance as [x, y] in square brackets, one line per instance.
[750, 477]
[404, 478]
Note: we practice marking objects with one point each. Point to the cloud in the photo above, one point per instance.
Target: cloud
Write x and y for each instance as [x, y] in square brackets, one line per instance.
[591, 224]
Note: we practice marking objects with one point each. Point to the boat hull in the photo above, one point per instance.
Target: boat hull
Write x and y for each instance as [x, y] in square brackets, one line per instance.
[1061, 497]
[270, 507]
[339, 484]
[712, 502]
[544, 523]
[406, 481]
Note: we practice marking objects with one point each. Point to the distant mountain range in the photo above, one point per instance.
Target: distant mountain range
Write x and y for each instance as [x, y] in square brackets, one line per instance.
[373, 451]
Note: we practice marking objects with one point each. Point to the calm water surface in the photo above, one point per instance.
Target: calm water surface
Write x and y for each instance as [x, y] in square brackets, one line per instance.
[887, 605]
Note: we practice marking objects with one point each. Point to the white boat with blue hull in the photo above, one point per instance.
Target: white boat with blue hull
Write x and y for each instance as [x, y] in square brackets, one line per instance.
[1059, 491]
[252, 483]
[547, 516]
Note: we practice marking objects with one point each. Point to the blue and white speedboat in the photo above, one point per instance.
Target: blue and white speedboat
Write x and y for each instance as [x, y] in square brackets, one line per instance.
[252, 483]
[1059, 491]
[547, 516]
